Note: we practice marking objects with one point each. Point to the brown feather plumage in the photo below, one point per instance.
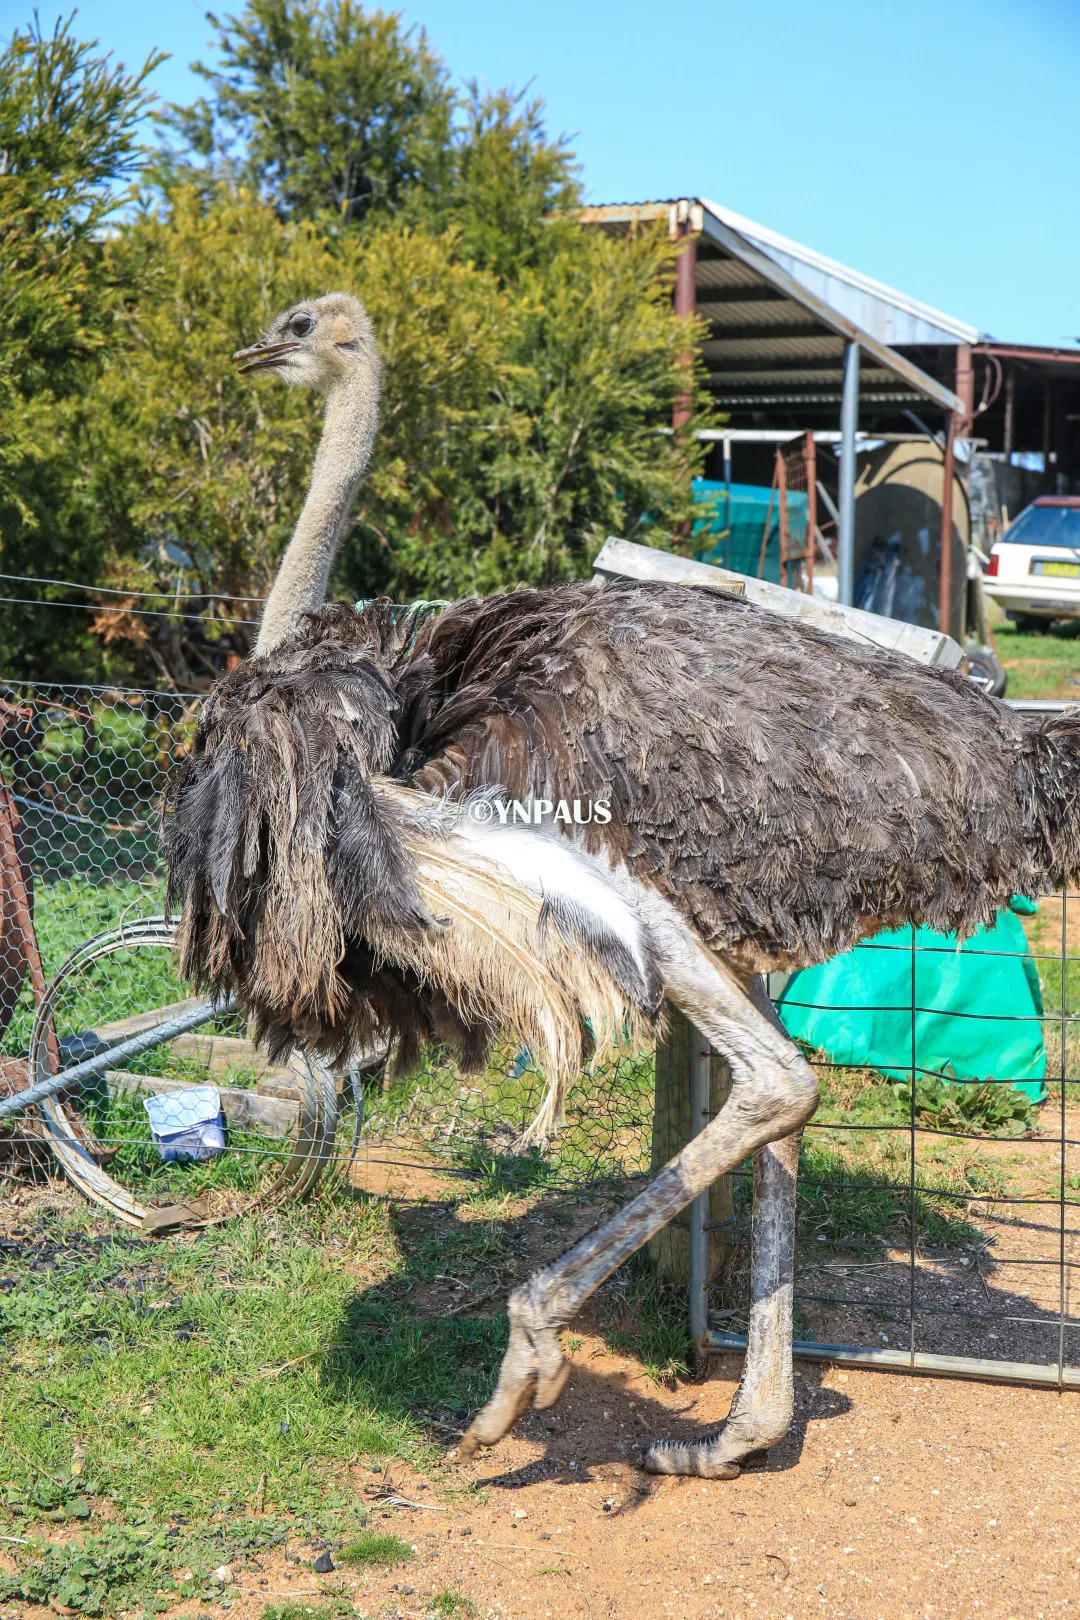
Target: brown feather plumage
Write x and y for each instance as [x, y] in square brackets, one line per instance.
[788, 792]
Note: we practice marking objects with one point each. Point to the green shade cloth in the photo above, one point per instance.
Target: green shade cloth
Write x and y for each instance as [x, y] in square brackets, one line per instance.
[856, 1008]
[730, 527]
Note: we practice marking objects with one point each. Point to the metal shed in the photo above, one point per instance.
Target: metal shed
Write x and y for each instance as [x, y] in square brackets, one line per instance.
[800, 343]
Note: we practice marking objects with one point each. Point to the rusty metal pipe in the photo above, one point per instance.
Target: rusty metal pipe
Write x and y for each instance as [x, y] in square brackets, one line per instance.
[685, 304]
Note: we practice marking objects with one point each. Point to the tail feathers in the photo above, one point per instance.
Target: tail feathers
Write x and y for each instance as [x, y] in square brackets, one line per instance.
[340, 907]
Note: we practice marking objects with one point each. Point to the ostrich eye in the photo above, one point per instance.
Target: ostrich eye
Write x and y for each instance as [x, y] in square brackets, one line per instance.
[301, 325]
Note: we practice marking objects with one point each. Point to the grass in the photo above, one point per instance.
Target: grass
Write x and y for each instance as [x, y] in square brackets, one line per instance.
[449, 1604]
[645, 1316]
[306, 1611]
[229, 1381]
[122, 1567]
[1041, 666]
[156, 1366]
[375, 1550]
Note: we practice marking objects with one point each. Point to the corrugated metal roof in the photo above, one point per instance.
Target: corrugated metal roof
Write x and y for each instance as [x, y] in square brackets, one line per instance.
[768, 325]
[891, 316]
[723, 347]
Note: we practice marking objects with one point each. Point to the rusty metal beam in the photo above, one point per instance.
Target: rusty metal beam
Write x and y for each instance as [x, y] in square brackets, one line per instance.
[1034, 357]
[685, 301]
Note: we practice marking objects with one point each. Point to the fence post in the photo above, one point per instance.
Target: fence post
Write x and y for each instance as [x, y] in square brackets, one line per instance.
[679, 1253]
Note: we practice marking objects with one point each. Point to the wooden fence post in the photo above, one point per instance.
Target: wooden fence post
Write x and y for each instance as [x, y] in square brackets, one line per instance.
[673, 1126]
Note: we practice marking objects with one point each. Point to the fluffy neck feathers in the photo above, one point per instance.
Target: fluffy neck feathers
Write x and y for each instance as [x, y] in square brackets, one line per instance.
[343, 454]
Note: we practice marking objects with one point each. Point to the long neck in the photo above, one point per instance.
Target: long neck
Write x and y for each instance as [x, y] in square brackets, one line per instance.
[343, 454]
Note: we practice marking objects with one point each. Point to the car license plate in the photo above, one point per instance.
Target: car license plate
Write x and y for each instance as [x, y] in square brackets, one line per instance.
[1057, 570]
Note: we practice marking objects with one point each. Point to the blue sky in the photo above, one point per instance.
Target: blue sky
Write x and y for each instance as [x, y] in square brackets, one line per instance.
[932, 144]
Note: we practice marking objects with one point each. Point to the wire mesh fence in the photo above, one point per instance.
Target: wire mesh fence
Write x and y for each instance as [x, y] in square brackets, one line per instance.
[937, 1215]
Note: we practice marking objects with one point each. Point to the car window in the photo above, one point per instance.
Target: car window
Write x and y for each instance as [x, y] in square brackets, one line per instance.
[1046, 526]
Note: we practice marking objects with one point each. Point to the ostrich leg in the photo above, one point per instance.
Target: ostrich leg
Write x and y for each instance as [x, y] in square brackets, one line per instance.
[763, 1404]
[762, 1407]
[773, 1094]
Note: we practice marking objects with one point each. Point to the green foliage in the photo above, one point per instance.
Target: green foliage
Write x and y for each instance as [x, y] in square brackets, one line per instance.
[68, 121]
[307, 1611]
[509, 183]
[986, 1108]
[103, 1574]
[67, 139]
[375, 1550]
[528, 364]
[329, 109]
[519, 426]
[965, 1105]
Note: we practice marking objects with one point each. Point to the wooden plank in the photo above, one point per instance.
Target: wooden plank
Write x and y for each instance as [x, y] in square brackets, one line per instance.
[672, 1129]
[624, 559]
[121, 1027]
[271, 1116]
[219, 1053]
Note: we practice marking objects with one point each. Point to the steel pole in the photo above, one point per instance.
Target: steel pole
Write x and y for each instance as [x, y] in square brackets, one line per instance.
[849, 421]
[112, 1055]
[700, 1073]
[685, 304]
[948, 476]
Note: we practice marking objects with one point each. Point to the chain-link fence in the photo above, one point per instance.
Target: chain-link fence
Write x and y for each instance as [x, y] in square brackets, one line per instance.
[937, 1216]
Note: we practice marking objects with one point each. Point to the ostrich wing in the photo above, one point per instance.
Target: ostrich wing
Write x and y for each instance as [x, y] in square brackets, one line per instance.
[787, 791]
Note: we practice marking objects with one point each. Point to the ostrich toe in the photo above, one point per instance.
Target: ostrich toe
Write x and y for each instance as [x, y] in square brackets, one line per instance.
[721, 1454]
[533, 1373]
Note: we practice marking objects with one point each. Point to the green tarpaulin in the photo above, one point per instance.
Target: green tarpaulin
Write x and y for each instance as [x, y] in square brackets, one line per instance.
[977, 1006]
[731, 526]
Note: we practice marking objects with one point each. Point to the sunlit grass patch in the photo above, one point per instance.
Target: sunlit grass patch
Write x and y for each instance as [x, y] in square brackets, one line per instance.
[375, 1549]
[451, 1605]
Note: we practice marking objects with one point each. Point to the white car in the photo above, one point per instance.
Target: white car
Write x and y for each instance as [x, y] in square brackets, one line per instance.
[1034, 570]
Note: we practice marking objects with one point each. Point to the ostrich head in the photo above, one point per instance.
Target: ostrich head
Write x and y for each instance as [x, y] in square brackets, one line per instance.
[317, 343]
[327, 344]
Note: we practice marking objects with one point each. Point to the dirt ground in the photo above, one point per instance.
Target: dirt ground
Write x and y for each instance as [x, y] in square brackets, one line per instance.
[892, 1496]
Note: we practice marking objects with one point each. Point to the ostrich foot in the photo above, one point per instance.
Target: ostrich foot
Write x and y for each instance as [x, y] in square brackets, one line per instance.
[719, 1455]
[533, 1373]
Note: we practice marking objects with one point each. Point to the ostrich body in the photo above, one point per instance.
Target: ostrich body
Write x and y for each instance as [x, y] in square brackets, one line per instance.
[776, 794]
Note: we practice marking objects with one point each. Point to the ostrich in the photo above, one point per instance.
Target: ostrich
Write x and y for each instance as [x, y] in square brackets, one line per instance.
[338, 844]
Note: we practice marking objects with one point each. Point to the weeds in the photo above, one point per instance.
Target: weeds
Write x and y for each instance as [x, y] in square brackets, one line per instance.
[645, 1316]
[865, 1097]
[103, 1574]
[307, 1611]
[448, 1604]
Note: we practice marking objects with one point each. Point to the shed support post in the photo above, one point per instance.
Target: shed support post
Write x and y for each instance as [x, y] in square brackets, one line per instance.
[1010, 413]
[948, 479]
[685, 300]
[957, 427]
[700, 1114]
[849, 420]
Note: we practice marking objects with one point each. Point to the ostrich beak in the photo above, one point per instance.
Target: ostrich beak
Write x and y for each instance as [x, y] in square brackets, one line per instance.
[264, 356]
